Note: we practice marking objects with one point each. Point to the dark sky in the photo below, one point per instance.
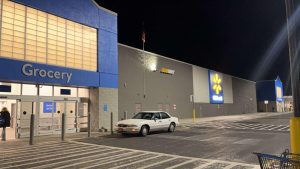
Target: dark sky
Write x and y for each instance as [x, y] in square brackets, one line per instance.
[230, 36]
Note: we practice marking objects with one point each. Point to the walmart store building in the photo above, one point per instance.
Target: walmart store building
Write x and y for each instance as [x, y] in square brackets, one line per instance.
[62, 56]
[57, 56]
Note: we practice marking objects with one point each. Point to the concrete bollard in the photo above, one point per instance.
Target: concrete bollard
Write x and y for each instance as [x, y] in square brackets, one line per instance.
[111, 123]
[63, 130]
[125, 115]
[31, 130]
[89, 124]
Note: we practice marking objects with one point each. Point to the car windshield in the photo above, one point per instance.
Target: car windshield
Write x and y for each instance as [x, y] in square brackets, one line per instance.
[143, 115]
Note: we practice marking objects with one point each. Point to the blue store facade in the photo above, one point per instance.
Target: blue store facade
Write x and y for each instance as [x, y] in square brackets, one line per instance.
[58, 57]
[270, 96]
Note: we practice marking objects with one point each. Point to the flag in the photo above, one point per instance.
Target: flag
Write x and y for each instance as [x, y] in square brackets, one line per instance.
[143, 37]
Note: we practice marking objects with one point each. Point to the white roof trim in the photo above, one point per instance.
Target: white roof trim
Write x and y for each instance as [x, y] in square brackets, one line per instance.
[107, 10]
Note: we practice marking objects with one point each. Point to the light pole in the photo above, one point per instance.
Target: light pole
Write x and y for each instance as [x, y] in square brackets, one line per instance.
[294, 71]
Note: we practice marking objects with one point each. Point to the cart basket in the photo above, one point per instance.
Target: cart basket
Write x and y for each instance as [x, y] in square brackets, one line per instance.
[285, 161]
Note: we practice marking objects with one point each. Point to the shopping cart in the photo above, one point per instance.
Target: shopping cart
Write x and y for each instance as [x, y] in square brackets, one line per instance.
[286, 160]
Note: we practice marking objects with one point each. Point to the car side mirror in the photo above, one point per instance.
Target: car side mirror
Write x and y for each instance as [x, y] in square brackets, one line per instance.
[155, 119]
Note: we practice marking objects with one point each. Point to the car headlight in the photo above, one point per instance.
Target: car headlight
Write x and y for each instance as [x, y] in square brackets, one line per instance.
[131, 125]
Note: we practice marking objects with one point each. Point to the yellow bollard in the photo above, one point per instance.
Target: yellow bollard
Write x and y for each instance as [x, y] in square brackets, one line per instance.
[194, 115]
[295, 134]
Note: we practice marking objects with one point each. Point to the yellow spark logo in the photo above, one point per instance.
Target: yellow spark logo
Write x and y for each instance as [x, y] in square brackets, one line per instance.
[217, 83]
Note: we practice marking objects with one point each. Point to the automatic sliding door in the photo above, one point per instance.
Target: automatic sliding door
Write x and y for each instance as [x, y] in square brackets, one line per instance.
[46, 118]
[23, 123]
[71, 117]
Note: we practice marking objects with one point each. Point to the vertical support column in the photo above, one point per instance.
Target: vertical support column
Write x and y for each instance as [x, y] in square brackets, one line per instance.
[294, 72]
[63, 129]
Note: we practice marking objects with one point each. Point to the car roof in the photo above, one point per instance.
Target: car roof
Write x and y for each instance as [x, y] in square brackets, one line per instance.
[151, 111]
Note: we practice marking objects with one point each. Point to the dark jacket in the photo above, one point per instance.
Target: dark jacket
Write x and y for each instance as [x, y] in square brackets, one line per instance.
[6, 116]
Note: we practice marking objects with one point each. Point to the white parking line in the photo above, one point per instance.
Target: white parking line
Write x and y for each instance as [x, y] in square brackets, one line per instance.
[82, 162]
[171, 155]
[141, 160]
[206, 164]
[107, 162]
[150, 165]
[178, 165]
[52, 159]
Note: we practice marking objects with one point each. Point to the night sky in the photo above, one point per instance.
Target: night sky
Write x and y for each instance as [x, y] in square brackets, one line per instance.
[230, 36]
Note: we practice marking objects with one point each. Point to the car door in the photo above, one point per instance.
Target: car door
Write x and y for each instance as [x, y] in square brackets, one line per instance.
[166, 120]
[157, 123]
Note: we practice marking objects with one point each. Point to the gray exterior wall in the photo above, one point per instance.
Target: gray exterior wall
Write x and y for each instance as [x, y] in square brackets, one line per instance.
[100, 116]
[160, 89]
[175, 90]
[244, 101]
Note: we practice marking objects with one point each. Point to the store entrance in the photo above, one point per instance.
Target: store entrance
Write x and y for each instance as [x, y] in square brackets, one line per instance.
[50, 117]
[11, 106]
[48, 120]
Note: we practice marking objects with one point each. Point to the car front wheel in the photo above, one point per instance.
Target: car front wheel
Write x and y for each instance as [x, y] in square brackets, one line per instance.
[171, 127]
[144, 131]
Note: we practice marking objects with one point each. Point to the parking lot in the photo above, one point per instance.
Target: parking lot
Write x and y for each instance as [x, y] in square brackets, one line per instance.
[232, 140]
[209, 144]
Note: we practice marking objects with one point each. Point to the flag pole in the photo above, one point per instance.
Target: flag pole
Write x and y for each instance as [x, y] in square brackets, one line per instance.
[144, 78]
[144, 63]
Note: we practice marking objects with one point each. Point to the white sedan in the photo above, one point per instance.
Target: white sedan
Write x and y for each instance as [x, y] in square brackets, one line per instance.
[147, 121]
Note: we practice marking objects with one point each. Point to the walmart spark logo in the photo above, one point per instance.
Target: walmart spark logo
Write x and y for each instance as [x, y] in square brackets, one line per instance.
[217, 84]
[216, 87]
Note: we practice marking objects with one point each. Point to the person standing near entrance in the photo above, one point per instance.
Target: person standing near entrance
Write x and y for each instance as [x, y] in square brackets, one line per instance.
[5, 118]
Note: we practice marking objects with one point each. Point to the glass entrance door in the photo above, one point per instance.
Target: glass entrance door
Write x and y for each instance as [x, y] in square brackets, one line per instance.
[50, 117]
[71, 117]
[26, 108]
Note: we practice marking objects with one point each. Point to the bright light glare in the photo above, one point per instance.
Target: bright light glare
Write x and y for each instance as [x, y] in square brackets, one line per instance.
[153, 67]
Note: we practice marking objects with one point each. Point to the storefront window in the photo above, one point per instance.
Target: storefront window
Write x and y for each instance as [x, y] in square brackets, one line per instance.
[46, 90]
[83, 92]
[29, 89]
[10, 88]
[46, 38]
[65, 91]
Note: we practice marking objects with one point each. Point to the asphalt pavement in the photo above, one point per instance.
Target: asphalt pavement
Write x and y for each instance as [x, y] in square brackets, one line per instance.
[263, 134]
[216, 142]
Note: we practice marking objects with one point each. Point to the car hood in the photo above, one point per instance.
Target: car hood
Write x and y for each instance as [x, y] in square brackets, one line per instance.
[132, 121]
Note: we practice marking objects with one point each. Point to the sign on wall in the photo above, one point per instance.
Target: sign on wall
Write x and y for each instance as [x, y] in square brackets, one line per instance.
[49, 107]
[278, 90]
[105, 108]
[216, 94]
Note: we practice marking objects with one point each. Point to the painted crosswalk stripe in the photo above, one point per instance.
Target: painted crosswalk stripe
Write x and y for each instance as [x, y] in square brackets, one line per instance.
[122, 161]
[157, 163]
[144, 162]
[168, 163]
[32, 163]
[189, 164]
[43, 151]
[95, 165]
[240, 126]
[88, 155]
[76, 161]
[122, 153]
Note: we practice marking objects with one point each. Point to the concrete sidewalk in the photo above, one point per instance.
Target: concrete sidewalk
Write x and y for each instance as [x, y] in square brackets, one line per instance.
[230, 118]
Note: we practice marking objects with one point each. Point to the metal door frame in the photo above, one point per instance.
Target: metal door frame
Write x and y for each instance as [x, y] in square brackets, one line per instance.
[37, 100]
